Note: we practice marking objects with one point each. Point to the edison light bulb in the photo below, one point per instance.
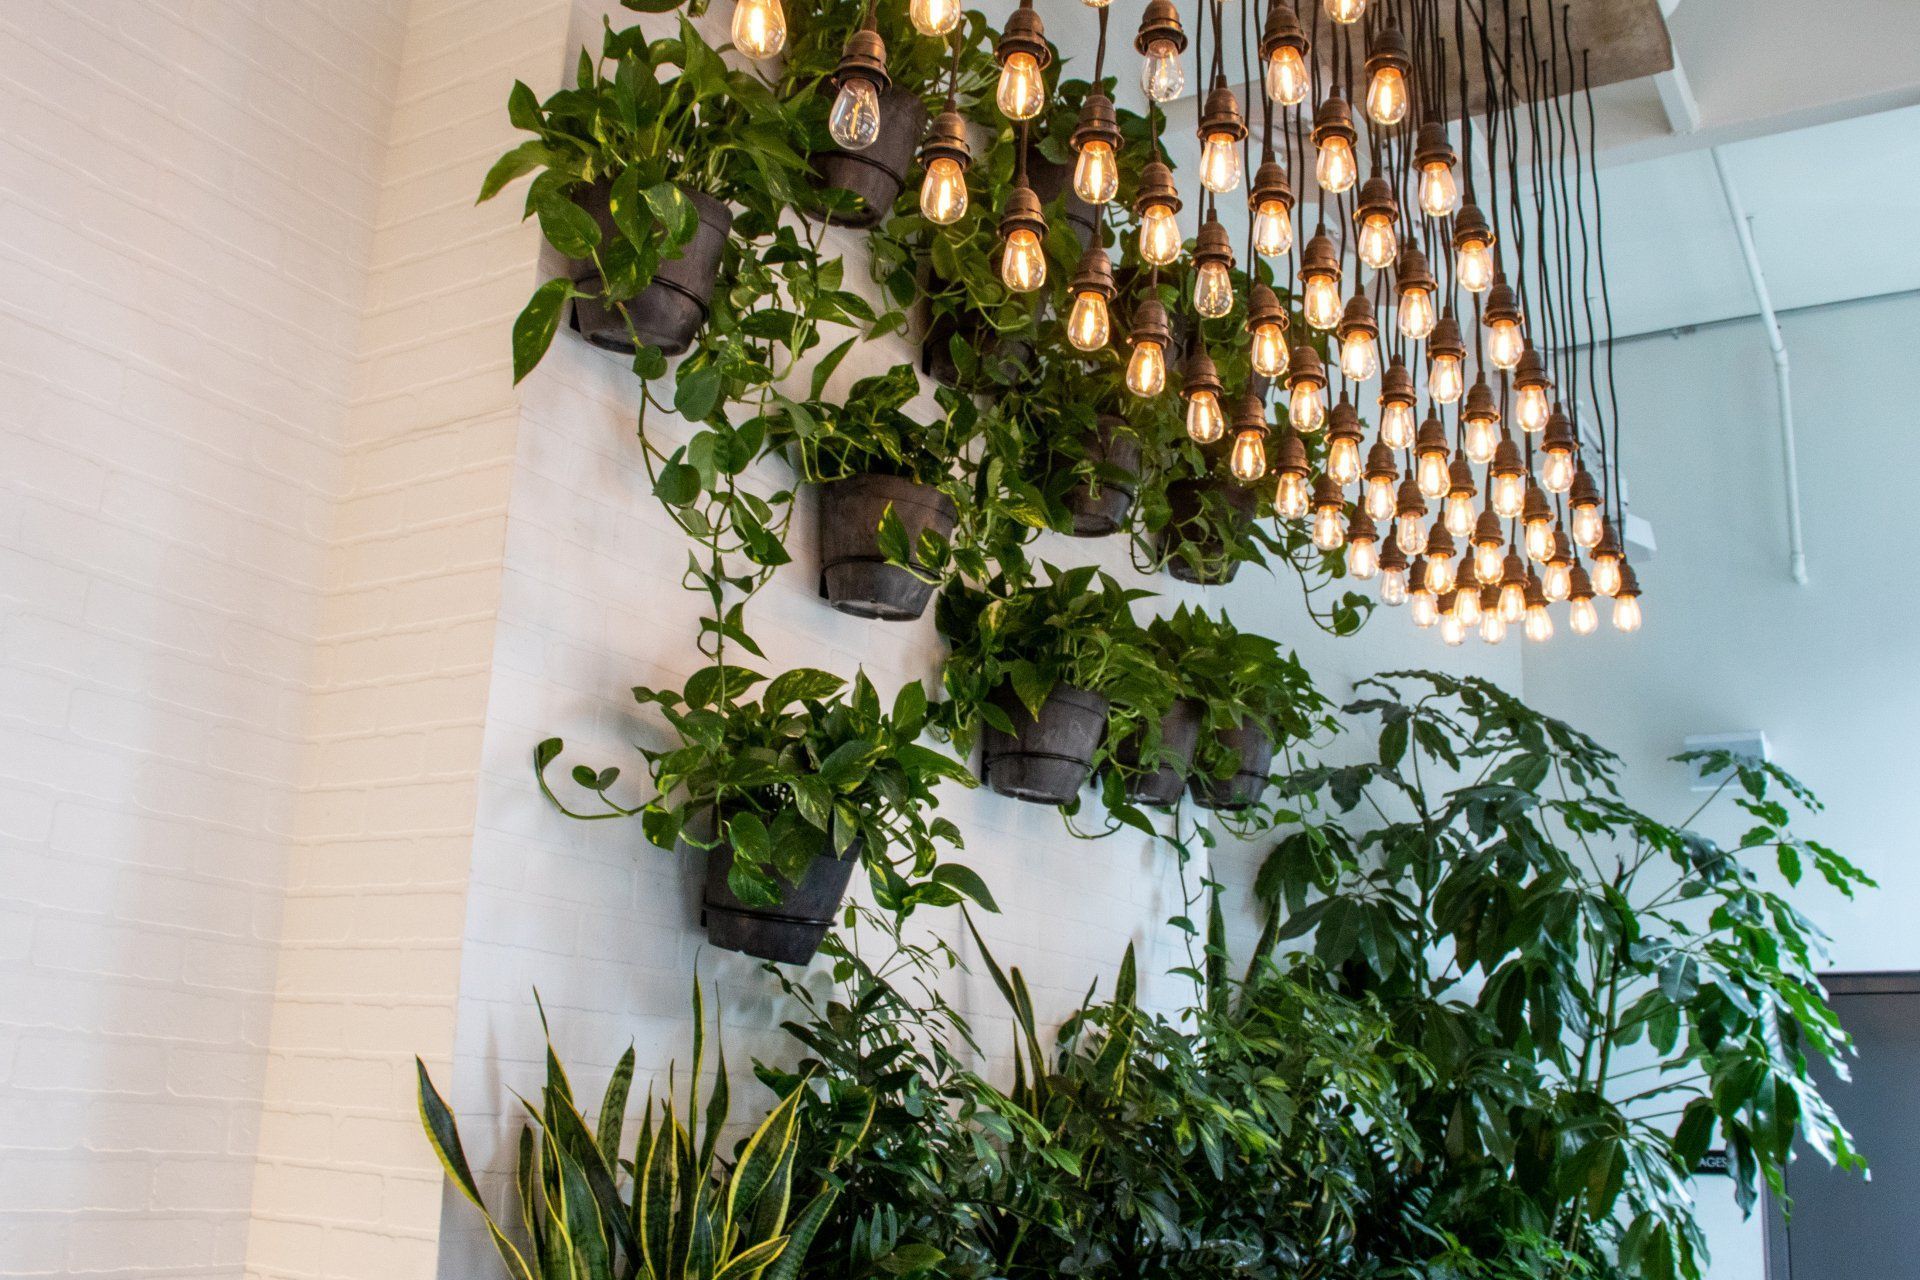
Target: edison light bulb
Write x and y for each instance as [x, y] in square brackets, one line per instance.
[1582, 616]
[1539, 624]
[1482, 438]
[1557, 582]
[1287, 78]
[1363, 558]
[943, 192]
[1488, 561]
[1440, 575]
[1458, 515]
[1359, 356]
[1147, 369]
[1248, 461]
[1513, 601]
[1417, 313]
[1426, 611]
[1493, 627]
[1290, 496]
[759, 27]
[1379, 497]
[1023, 265]
[1220, 164]
[1161, 77]
[1022, 91]
[1447, 379]
[1626, 613]
[855, 120]
[1159, 235]
[1452, 630]
[1538, 535]
[1205, 422]
[1430, 473]
[1439, 193]
[1212, 290]
[1343, 460]
[1473, 266]
[1387, 96]
[1321, 305]
[1586, 526]
[1508, 495]
[1556, 470]
[1466, 606]
[1531, 408]
[1346, 10]
[1334, 167]
[1505, 345]
[1087, 327]
[1606, 575]
[1329, 530]
[1396, 424]
[1379, 245]
[1269, 350]
[1272, 229]
[1411, 535]
[934, 17]
[1096, 177]
[1306, 407]
[1393, 588]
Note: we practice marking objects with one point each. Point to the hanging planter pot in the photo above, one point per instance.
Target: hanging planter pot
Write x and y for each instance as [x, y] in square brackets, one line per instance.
[855, 577]
[1186, 502]
[1244, 787]
[874, 176]
[1099, 507]
[1049, 179]
[1045, 760]
[1179, 734]
[788, 932]
[936, 350]
[670, 311]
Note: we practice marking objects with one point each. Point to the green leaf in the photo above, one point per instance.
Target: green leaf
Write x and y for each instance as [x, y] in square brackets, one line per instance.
[967, 881]
[676, 213]
[517, 163]
[697, 394]
[533, 330]
[801, 684]
[567, 226]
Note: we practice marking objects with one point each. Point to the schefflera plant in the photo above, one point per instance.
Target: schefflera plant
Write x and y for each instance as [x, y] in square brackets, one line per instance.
[811, 768]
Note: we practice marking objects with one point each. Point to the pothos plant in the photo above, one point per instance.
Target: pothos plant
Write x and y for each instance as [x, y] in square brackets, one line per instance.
[809, 768]
[1598, 995]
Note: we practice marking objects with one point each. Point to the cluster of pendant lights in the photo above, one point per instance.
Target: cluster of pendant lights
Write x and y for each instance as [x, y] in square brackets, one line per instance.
[1529, 540]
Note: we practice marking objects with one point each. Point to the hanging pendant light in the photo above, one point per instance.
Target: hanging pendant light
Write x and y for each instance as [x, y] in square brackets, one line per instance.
[1507, 480]
[1088, 326]
[1160, 42]
[1393, 573]
[861, 77]
[1023, 56]
[1418, 312]
[1607, 560]
[1467, 597]
[1096, 144]
[1506, 339]
[1306, 390]
[943, 192]
[1267, 323]
[1344, 438]
[1423, 605]
[1333, 137]
[1023, 234]
[1410, 515]
[1156, 205]
[1222, 129]
[1536, 524]
[1451, 629]
[1581, 614]
[1290, 494]
[1347, 11]
[1481, 423]
[1397, 402]
[1446, 361]
[1359, 340]
[759, 28]
[1389, 62]
[1213, 270]
[1247, 459]
[1493, 619]
[935, 18]
[1473, 265]
[1533, 393]
[1329, 521]
[1200, 385]
[1430, 458]
[1557, 459]
[1363, 547]
[1583, 500]
[1557, 581]
[1433, 156]
[1381, 476]
[1320, 281]
[1539, 621]
[1459, 513]
[1513, 589]
[1271, 203]
[1489, 544]
[1151, 335]
[1375, 214]
[1442, 568]
[1626, 601]
[1283, 52]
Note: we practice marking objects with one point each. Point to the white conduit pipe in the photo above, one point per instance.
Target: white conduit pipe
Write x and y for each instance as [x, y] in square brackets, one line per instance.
[1782, 372]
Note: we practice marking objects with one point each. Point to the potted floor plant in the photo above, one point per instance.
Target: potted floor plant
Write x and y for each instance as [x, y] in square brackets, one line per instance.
[1035, 670]
[638, 169]
[784, 794]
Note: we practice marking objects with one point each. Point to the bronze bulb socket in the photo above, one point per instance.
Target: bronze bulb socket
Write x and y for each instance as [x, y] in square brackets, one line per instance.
[1156, 188]
[1023, 213]
[1161, 21]
[1150, 324]
[1320, 258]
[1025, 33]
[1270, 185]
[1213, 244]
[1094, 274]
[1432, 438]
[1532, 372]
[1396, 384]
[1487, 531]
[1293, 455]
[1282, 31]
[1375, 197]
[1222, 113]
[1480, 406]
[1263, 307]
[1334, 119]
[1380, 465]
[1358, 318]
[1431, 146]
[864, 57]
[1412, 272]
[1098, 123]
[947, 140]
[1460, 478]
[1506, 459]
[1470, 226]
[1198, 374]
[1446, 339]
[1304, 368]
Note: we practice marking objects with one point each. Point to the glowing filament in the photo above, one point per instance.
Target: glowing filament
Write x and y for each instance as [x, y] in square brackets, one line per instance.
[943, 192]
[1022, 90]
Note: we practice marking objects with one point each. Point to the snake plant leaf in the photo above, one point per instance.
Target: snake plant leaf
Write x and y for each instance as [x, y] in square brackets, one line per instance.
[444, 1134]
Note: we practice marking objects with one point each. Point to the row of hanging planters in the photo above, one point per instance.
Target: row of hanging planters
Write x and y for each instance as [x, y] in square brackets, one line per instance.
[669, 175]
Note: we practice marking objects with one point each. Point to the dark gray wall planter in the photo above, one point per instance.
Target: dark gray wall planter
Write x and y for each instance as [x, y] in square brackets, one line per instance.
[669, 312]
[876, 174]
[1184, 500]
[1100, 507]
[787, 933]
[1243, 789]
[854, 577]
[1049, 179]
[1048, 760]
[1179, 734]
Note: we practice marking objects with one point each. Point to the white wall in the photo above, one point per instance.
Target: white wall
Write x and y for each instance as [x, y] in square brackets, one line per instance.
[1731, 643]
